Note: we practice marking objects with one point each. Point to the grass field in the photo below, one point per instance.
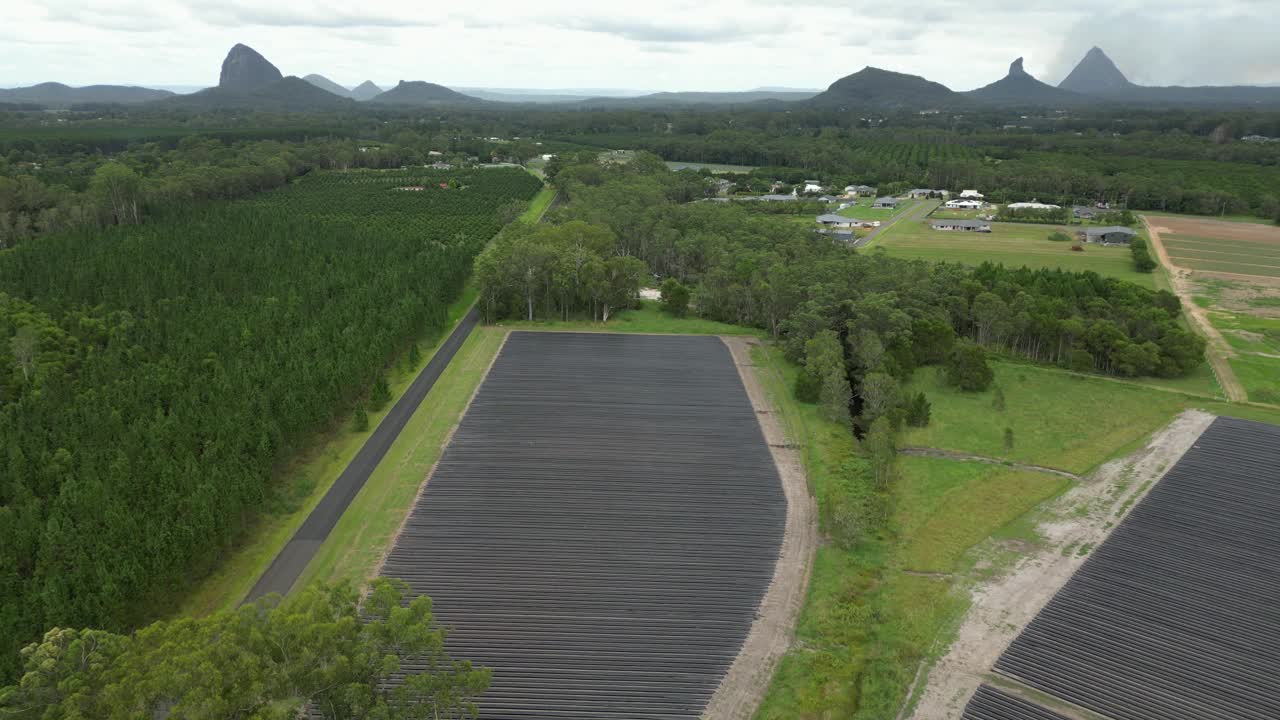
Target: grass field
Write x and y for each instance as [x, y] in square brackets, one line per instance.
[538, 205]
[862, 209]
[1014, 245]
[875, 612]
[308, 481]
[356, 547]
[1230, 256]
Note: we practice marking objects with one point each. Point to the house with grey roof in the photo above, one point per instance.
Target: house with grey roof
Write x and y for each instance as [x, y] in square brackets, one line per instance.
[962, 225]
[886, 202]
[833, 220]
[1109, 235]
[859, 190]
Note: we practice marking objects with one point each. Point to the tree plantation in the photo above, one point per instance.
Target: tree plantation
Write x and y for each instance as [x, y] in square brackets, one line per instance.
[153, 376]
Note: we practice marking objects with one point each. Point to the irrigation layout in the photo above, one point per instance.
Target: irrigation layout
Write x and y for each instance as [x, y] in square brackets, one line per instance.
[293, 559]
[991, 703]
[601, 528]
[1175, 615]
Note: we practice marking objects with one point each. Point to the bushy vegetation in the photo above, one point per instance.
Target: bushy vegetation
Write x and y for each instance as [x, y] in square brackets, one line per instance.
[321, 649]
[153, 377]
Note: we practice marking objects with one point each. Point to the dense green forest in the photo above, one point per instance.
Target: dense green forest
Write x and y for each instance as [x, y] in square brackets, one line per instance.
[153, 375]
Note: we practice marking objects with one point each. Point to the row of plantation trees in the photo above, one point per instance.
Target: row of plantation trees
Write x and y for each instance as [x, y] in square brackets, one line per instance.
[155, 377]
[320, 650]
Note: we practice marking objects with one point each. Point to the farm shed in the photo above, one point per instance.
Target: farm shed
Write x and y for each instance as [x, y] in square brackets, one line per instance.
[1109, 235]
[962, 225]
[886, 202]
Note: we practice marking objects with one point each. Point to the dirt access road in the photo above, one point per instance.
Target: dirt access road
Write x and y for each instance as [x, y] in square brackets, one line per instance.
[1072, 525]
[915, 213]
[1219, 350]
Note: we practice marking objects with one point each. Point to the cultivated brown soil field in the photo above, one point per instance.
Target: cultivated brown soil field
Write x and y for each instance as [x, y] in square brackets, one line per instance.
[1256, 232]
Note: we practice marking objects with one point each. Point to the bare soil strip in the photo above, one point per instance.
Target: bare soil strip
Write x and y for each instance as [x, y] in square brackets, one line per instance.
[1075, 523]
[966, 457]
[744, 686]
[1219, 350]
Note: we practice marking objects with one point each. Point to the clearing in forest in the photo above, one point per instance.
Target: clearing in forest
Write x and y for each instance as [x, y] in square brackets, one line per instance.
[1013, 245]
[602, 527]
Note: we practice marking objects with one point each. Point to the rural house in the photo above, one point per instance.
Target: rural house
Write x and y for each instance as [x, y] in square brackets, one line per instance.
[1081, 212]
[886, 202]
[1109, 235]
[972, 194]
[924, 193]
[859, 190]
[964, 204]
[1033, 205]
[812, 186]
[831, 220]
[962, 225]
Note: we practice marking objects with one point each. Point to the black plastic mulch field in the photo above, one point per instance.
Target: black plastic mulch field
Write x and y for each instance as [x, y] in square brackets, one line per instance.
[601, 528]
[991, 703]
[1177, 614]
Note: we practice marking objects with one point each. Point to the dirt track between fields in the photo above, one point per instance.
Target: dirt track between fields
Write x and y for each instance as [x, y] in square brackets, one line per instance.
[1075, 523]
[1219, 349]
[744, 686]
[968, 457]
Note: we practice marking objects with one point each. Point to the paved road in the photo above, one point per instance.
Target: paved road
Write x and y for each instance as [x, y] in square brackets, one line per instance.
[293, 559]
[915, 213]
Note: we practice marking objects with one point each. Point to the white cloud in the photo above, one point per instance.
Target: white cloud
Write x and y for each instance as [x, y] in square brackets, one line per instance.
[660, 45]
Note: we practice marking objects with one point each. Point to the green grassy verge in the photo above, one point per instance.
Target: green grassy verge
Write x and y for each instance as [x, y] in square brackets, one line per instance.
[306, 481]
[538, 205]
[354, 550]
[649, 318]
[1014, 245]
[862, 210]
[876, 611]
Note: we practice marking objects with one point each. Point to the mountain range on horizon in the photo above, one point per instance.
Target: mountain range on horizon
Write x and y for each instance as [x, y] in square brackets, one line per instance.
[248, 80]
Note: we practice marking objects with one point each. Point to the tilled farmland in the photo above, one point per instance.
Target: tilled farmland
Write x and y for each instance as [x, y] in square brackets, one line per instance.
[601, 528]
[991, 703]
[1175, 615]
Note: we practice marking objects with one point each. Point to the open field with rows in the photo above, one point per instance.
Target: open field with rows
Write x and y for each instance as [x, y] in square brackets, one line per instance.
[1215, 246]
[602, 526]
[1012, 244]
[1173, 616]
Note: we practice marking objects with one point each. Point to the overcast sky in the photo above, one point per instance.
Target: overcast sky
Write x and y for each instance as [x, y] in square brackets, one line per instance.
[651, 45]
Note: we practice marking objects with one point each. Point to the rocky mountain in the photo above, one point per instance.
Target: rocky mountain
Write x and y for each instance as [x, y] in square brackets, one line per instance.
[366, 91]
[52, 94]
[875, 88]
[244, 70]
[325, 83]
[417, 92]
[1095, 74]
[1019, 88]
[290, 94]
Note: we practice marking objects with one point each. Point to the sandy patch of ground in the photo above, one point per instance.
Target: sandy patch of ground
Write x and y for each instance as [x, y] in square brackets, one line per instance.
[650, 294]
[744, 686]
[1075, 523]
[1218, 350]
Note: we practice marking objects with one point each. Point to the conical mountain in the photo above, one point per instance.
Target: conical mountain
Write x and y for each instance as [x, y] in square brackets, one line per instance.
[325, 83]
[365, 91]
[417, 92]
[876, 88]
[1095, 74]
[1020, 88]
[245, 69]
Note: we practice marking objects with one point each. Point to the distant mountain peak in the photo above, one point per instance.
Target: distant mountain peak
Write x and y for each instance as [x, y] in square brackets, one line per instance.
[1021, 88]
[325, 83]
[365, 91]
[1095, 74]
[1015, 68]
[874, 87]
[245, 69]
